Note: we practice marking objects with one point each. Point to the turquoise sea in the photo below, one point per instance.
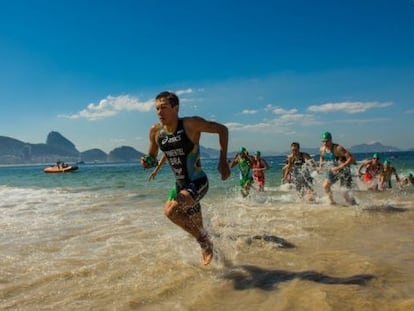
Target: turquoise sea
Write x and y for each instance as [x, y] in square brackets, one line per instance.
[97, 239]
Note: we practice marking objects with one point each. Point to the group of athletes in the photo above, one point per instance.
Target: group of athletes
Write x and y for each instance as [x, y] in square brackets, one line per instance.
[179, 137]
[251, 168]
[335, 163]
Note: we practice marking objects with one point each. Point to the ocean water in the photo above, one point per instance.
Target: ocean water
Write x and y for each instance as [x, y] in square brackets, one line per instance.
[97, 239]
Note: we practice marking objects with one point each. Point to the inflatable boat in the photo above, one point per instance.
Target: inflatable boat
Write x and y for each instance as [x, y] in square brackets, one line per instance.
[60, 169]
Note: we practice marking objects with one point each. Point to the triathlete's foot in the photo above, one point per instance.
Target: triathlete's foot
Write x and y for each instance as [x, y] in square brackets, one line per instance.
[206, 250]
[309, 197]
[352, 202]
[350, 199]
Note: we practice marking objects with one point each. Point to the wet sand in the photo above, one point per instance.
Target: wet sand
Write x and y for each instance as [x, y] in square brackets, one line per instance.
[114, 252]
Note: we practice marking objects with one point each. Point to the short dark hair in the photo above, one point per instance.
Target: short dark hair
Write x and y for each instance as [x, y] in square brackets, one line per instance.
[170, 97]
[295, 144]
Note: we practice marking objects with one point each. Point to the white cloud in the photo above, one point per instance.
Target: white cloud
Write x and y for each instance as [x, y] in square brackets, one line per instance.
[280, 111]
[285, 123]
[182, 92]
[256, 127]
[262, 128]
[187, 98]
[111, 106]
[249, 111]
[234, 125]
[298, 118]
[348, 107]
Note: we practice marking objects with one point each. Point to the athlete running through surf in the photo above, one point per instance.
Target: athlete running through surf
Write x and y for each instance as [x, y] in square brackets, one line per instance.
[179, 139]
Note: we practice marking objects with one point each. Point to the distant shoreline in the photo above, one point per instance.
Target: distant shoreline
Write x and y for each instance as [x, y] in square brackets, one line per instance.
[70, 163]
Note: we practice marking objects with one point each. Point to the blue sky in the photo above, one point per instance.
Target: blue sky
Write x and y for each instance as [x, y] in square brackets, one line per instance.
[272, 71]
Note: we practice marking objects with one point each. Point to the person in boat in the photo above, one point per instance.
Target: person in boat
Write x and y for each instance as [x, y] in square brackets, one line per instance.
[297, 172]
[373, 168]
[245, 164]
[259, 165]
[179, 139]
[385, 176]
[61, 164]
[330, 152]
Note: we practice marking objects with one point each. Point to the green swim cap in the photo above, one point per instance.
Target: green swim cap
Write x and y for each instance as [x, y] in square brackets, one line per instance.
[387, 162]
[375, 156]
[242, 149]
[326, 135]
[172, 194]
[257, 153]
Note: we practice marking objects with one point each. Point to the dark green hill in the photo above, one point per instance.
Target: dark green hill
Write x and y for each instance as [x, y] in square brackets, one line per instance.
[58, 143]
[93, 155]
[124, 154]
[59, 148]
[13, 150]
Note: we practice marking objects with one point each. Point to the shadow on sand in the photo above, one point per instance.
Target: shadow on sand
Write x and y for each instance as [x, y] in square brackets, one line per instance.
[277, 241]
[385, 208]
[273, 239]
[248, 277]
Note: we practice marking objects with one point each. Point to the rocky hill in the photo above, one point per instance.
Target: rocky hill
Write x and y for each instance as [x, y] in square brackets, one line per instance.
[58, 148]
[124, 154]
[93, 155]
[61, 144]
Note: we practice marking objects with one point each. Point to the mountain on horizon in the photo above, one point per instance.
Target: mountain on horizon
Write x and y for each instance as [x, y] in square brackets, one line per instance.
[373, 147]
[58, 148]
[56, 140]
